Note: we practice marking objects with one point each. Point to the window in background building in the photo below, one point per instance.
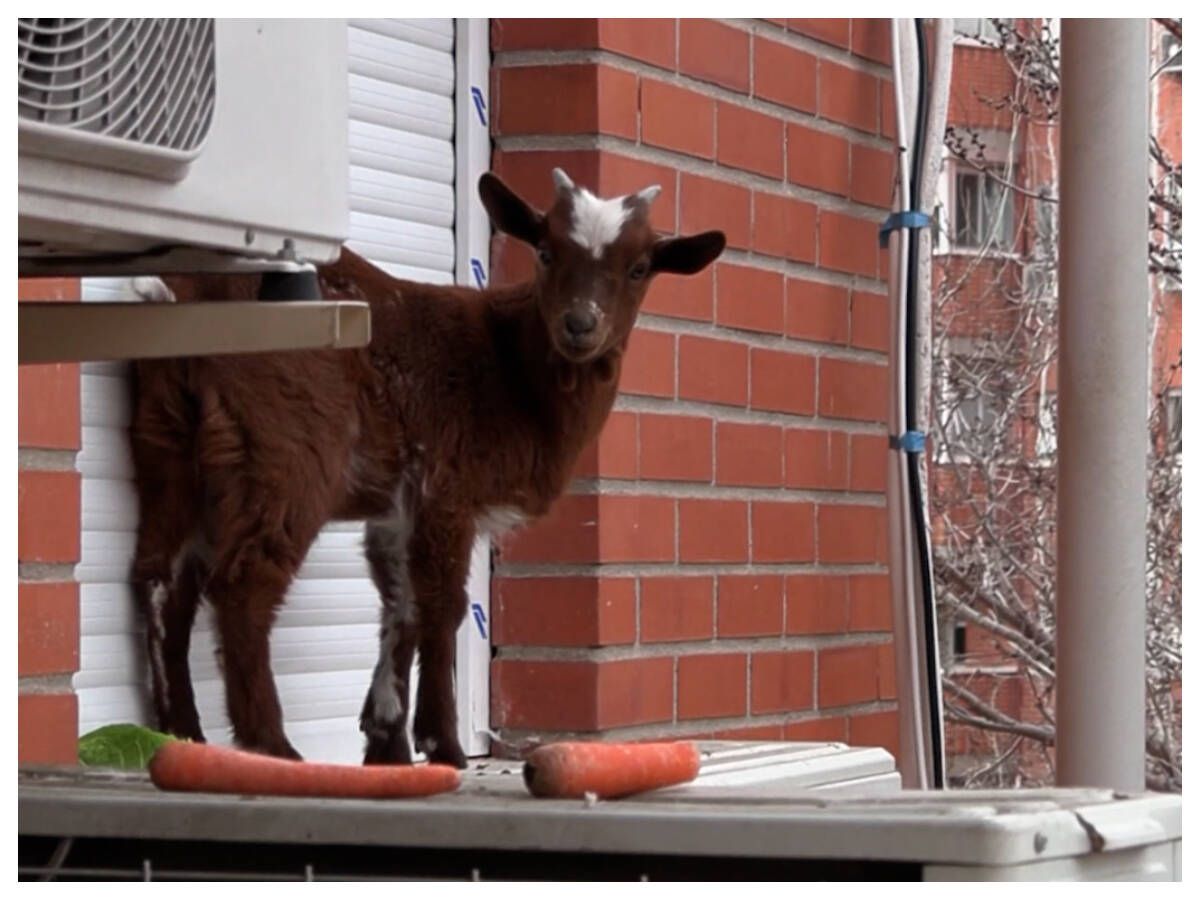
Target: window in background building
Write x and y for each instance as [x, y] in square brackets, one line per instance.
[968, 410]
[1174, 421]
[1047, 431]
[1171, 53]
[983, 210]
[983, 30]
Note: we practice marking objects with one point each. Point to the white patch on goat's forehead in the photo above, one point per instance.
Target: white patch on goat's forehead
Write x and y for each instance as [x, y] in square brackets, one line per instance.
[596, 223]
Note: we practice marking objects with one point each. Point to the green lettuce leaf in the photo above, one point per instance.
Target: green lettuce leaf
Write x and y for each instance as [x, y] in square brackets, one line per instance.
[120, 746]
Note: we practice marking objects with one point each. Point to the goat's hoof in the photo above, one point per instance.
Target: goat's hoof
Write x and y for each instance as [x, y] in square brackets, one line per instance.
[387, 751]
[446, 752]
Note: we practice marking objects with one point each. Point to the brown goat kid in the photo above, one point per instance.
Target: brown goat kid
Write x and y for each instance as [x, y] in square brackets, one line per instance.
[465, 415]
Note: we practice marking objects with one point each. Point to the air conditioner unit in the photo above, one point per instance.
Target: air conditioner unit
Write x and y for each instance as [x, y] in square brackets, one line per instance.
[136, 136]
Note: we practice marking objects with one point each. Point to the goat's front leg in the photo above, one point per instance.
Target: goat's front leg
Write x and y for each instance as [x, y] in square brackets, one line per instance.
[440, 559]
[384, 718]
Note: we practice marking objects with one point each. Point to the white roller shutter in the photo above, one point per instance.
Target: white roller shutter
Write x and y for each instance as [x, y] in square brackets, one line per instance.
[402, 174]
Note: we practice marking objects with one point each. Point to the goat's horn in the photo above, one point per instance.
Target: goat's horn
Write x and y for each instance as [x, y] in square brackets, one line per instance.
[647, 195]
[563, 182]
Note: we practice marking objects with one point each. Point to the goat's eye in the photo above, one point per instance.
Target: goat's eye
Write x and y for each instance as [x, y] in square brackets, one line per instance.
[544, 256]
[639, 270]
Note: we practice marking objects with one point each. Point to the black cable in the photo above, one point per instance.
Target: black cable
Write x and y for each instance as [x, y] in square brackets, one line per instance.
[933, 675]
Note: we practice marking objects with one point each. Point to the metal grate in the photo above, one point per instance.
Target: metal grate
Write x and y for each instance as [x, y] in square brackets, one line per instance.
[147, 81]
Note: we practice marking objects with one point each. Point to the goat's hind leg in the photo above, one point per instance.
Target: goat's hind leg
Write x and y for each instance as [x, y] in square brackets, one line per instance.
[167, 578]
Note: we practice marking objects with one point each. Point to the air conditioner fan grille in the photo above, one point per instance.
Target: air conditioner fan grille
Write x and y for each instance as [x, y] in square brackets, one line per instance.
[148, 81]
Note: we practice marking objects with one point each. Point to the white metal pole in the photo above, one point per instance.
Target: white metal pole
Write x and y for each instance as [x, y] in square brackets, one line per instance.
[1101, 617]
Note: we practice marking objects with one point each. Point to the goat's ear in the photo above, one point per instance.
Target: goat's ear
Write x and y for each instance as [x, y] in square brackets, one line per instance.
[687, 255]
[508, 212]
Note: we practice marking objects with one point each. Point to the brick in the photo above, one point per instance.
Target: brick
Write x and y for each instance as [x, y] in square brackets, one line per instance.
[870, 603]
[677, 119]
[649, 40]
[635, 691]
[47, 729]
[676, 448]
[571, 99]
[712, 685]
[818, 160]
[851, 534]
[712, 531]
[706, 204]
[636, 529]
[833, 728]
[887, 109]
[846, 675]
[814, 459]
[676, 609]
[785, 227]
[782, 381]
[816, 604]
[848, 96]
[750, 298]
[48, 516]
[615, 453]
[869, 326]
[785, 75]
[47, 628]
[781, 681]
[818, 312]
[829, 31]
[749, 140]
[868, 463]
[649, 364]
[887, 672]
[544, 34]
[713, 370]
[879, 729]
[749, 605]
[48, 406]
[565, 612]
[48, 290]
[853, 390]
[575, 695]
[872, 38]
[749, 455]
[683, 296]
[848, 244]
[872, 174]
[585, 528]
[781, 531]
[714, 52]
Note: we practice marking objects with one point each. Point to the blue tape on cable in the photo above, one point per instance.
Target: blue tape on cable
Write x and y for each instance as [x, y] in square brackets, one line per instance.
[909, 442]
[908, 219]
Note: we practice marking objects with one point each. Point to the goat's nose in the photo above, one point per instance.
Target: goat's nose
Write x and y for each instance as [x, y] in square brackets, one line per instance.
[580, 321]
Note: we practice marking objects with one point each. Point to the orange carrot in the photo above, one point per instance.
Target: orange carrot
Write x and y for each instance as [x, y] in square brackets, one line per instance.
[184, 766]
[608, 770]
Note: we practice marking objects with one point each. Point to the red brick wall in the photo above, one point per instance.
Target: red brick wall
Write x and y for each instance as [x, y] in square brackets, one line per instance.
[47, 549]
[719, 565]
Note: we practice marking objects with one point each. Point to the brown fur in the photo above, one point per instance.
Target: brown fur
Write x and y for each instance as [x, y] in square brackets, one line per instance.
[464, 402]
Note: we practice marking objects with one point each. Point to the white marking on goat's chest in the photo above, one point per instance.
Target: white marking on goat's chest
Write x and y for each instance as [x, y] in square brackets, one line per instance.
[498, 519]
[596, 223]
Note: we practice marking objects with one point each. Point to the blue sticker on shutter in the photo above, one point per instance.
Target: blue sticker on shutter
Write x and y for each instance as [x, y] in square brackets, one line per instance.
[480, 618]
[477, 271]
[480, 106]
